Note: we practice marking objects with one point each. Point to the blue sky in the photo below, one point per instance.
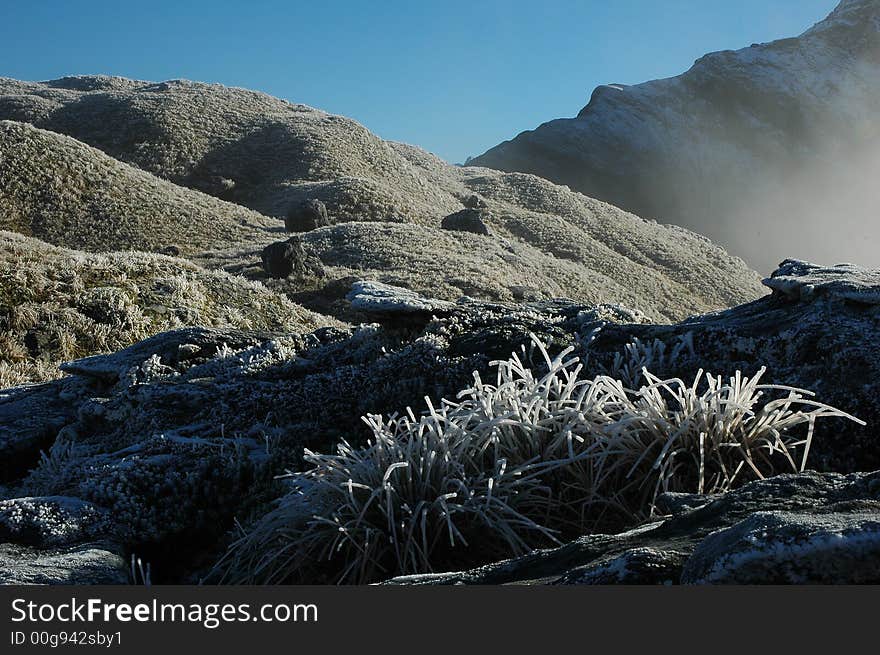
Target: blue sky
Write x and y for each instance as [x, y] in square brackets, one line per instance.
[455, 77]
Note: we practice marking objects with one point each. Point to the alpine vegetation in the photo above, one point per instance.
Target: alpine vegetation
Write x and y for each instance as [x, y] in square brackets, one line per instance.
[525, 462]
[58, 304]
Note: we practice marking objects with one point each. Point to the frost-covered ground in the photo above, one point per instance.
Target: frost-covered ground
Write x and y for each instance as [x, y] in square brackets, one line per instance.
[175, 441]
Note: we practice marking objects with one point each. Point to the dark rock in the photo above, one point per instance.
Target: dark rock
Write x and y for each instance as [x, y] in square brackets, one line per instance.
[171, 251]
[804, 528]
[640, 565]
[840, 547]
[30, 420]
[75, 565]
[466, 220]
[307, 216]
[285, 258]
[280, 259]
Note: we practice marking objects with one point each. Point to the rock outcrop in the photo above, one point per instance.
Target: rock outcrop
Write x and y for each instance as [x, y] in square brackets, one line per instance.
[307, 216]
[179, 435]
[466, 220]
[285, 258]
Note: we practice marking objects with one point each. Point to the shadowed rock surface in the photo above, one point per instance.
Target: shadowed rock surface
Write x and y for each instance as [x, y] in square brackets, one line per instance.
[810, 528]
[306, 217]
[181, 434]
[466, 220]
[285, 258]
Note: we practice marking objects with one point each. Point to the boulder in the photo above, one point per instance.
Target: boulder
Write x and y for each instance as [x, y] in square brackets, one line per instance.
[285, 258]
[466, 220]
[307, 216]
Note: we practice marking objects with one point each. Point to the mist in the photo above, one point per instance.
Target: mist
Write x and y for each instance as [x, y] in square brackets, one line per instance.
[772, 151]
[772, 175]
[823, 209]
[797, 161]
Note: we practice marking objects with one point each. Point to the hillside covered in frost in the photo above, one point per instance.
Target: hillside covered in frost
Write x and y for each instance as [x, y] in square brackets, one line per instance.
[159, 151]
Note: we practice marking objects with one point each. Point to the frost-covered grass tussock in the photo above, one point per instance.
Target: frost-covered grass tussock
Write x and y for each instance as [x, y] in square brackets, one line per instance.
[521, 463]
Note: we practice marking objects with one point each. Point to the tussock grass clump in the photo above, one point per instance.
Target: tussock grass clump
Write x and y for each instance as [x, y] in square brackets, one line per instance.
[521, 463]
[394, 506]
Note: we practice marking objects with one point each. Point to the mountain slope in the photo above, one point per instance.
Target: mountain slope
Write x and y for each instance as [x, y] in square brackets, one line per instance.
[67, 193]
[246, 146]
[386, 200]
[754, 148]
